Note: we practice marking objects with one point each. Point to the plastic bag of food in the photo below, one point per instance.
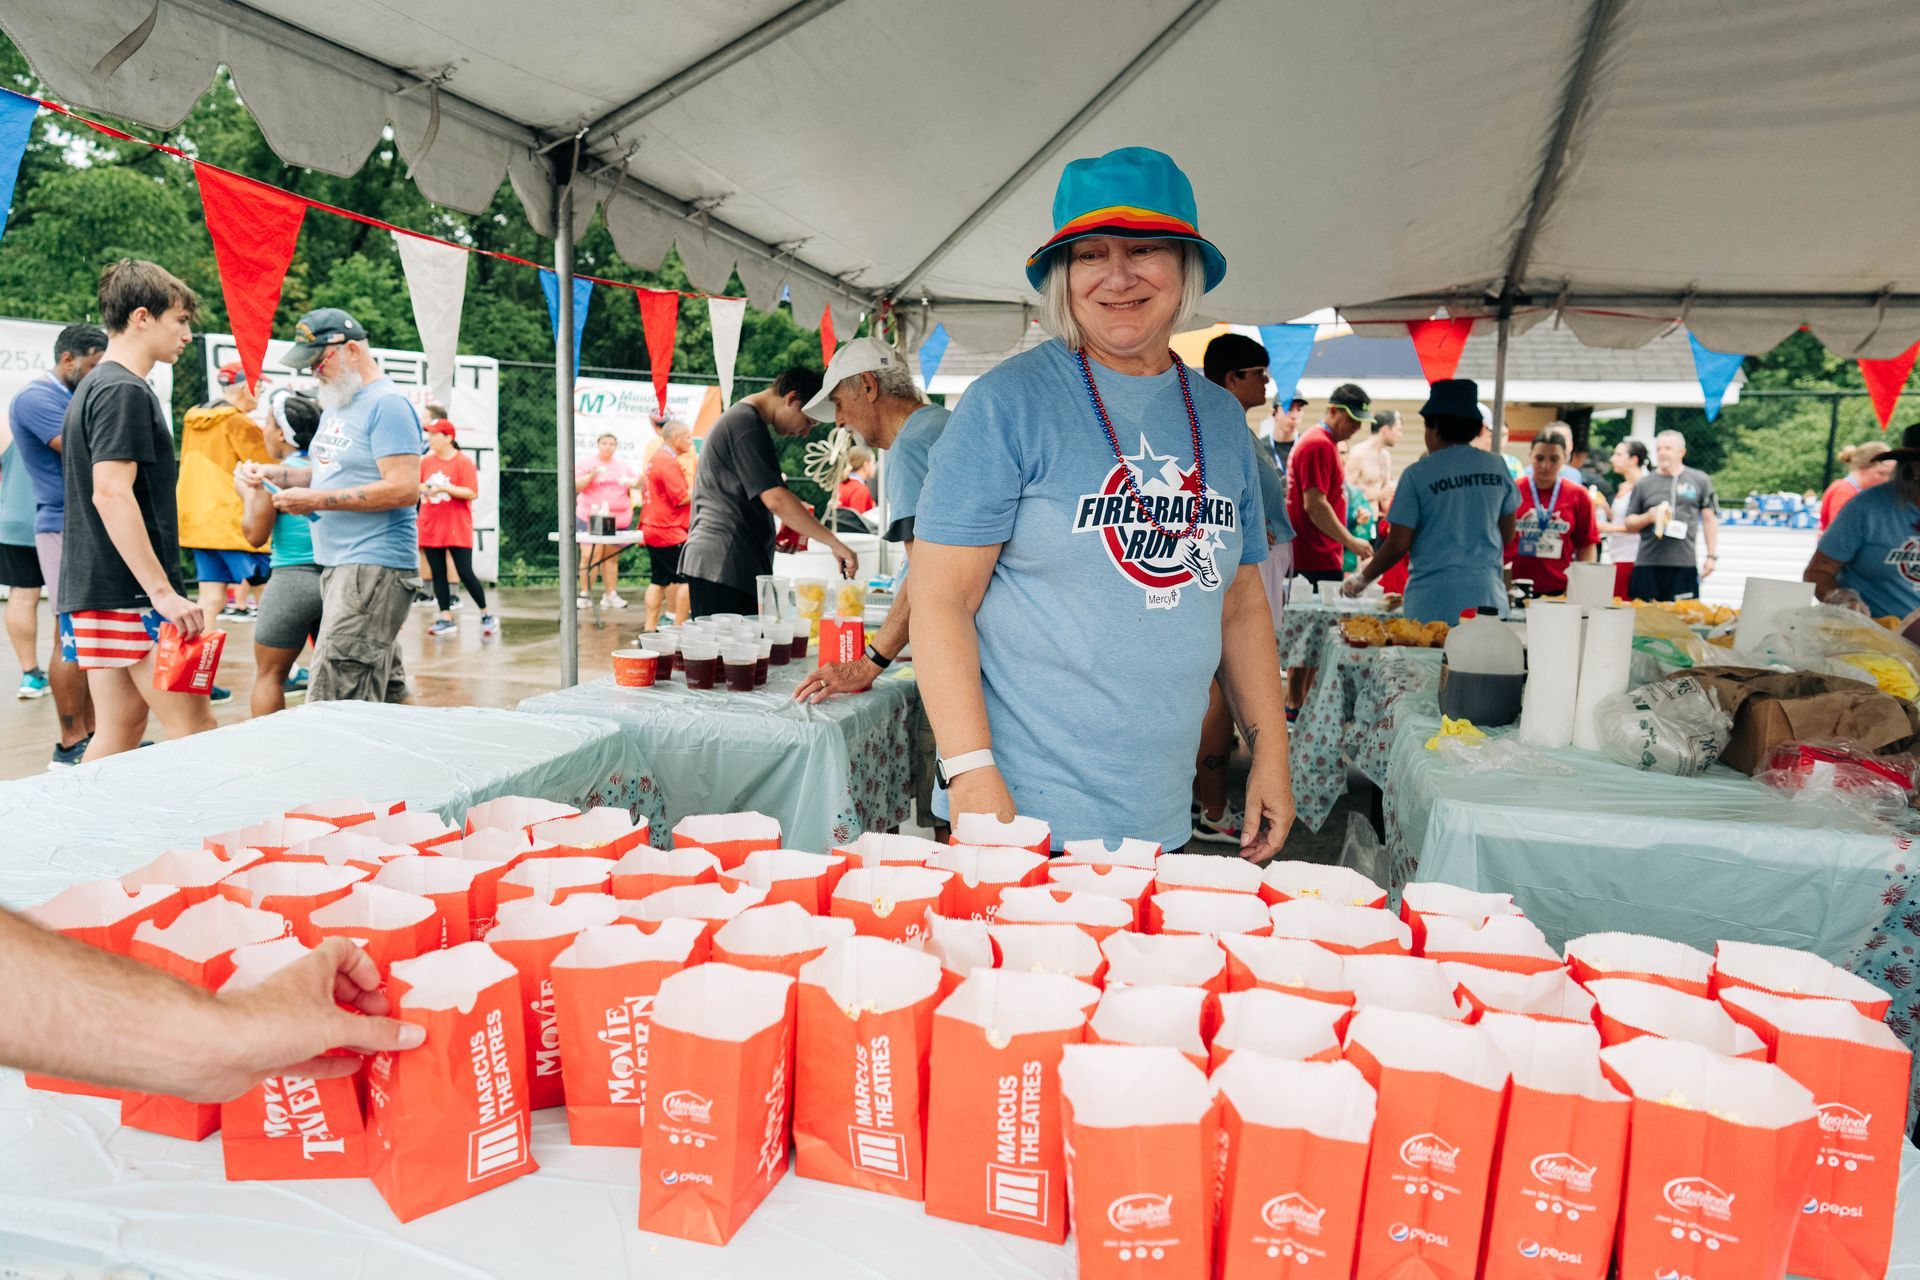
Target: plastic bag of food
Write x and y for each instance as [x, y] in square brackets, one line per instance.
[1862, 647]
[1673, 726]
[1505, 754]
[1836, 774]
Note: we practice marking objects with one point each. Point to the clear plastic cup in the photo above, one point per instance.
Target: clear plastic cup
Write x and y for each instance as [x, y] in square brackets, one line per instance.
[739, 662]
[700, 660]
[762, 660]
[799, 631]
[726, 619]
[666, 647]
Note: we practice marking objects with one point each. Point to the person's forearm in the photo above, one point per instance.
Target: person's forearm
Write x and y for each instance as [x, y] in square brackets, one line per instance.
[1320, 512]
[1634, 524]
[120, 515]
[1710, 533]
[256, 520]
[1589, 554]
[460, 492]
[947, 672]
[286, 477]
[786, 504]
[892, 636]
[1250, 668]
[1391, 553]
[381, 495]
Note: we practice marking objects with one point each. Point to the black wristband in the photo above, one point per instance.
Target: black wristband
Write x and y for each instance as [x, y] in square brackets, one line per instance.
[873, 656]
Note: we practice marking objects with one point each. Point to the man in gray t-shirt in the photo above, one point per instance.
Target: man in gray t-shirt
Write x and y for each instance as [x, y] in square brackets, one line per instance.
[1673, 508]
[737, 493]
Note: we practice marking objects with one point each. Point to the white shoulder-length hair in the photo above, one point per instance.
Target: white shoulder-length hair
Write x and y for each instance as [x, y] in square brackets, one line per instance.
[1056, 301]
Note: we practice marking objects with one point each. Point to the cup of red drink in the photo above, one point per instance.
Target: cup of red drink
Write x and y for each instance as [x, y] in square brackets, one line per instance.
[762, 660]
[775, 630]
[635, 668]
[799, 631]
[738, 662]
[700, 660]
[665, 647]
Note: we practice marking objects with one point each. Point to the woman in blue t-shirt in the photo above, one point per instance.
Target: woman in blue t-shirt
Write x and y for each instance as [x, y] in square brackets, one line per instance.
[1078, 542]
[1870, 556]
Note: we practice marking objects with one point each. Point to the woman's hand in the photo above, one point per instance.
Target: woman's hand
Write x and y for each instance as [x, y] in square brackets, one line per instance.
[837, 677]
[985, 791]
[1269, 815]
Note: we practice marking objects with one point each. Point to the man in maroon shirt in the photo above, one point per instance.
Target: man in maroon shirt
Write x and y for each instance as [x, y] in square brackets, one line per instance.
[1317, 489]
[1555, 520]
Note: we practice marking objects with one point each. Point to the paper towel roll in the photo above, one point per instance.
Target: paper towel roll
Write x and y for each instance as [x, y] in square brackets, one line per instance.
[1764, 600]
[1590, 585]
[1605, 657]
[1553, 674]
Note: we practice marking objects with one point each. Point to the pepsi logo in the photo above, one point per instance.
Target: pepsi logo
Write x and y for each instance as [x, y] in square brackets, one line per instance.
[1398, 1232]
[1529, 1248]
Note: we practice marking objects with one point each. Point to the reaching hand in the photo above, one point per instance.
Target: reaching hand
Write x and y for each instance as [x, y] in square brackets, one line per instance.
[1354, 586]
[849, 562]
[1269, 813]
[181, 612]
[838, 677]
[981, 791]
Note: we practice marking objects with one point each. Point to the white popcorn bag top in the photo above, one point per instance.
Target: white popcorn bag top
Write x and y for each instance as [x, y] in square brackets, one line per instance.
[1284, 881]
[548, 877]
[961, 946]
[978, 864]
[190, 868]
[601, 825]
[254, 963]
[878, 848]
[515, 813]
[494, 844]
[1434, 899]
[296, 879]
[685, 861]
[1672, 1015]
[274, 833]
[1170, 1016]
[96, 903]
[1017, 832]
[1786, 972]
[343, 810]
[1097, 853]
[1401, 1041]
[1835, 1020]
[872, 975]
[1326, 1099]
[1208, 911]
[767, 867]
[526, 919]
[1499, 936]
[212, 928]
[1117, 1086]
[349, 844]
[1355, 927]
[1288, 962]
[1277, 1025]
[373, 906]
[1551, 1057]
[1123, 882]
[1181, 960]
[412, 826]
[453, 978]
[885, 886]
[1042, 904]
[692, 902]
[608, 946]
[719, 828]
[1549, 994]
[1005, 1003]
[1624, 954]
[1681, 1074]
[780, 929]
[1220, 873]
[425, 874]
[1047, 948]
[722, 1002]
[1405, 983]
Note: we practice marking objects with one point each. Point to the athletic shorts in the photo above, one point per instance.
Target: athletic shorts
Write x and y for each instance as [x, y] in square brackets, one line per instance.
[231, 566]
[20, 567]
[102, 639]
[666, 565]
[289, 608]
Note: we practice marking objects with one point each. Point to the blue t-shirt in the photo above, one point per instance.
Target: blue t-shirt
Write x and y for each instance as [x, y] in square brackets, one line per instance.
[1098, 636]
[1876, 539]
[292, 535]
[1273, 492]
[906, 471]
[1453, 499]
[378, 423]
[36, 415]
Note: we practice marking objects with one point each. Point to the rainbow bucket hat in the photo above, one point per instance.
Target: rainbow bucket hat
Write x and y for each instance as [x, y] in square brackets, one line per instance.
[1136, 192]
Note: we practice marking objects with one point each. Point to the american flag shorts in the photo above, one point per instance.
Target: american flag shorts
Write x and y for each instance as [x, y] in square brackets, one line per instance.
[99, 639]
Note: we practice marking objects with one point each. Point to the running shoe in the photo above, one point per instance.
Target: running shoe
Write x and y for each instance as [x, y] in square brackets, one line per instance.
[33, 684]
[297, 682]
[232, 613]
[453, 600]
[420, 598]
[1224, 829]
[612, 601]
[489, 625]
[443, 627]
[67, 757]
[220, 695]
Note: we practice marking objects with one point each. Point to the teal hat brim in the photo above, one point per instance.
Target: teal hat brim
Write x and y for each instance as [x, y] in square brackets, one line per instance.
[1214, 261]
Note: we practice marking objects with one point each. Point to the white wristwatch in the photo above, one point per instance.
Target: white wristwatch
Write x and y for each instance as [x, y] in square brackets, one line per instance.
[948, 770]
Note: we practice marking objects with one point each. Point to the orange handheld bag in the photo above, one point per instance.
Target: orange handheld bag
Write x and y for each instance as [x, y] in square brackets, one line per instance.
[1720, 1155]
[711, 904]
[1294, 1145]
[604, 986]
[1562, 1164]
[515, 813]
[865, 1012]
[1129, 852]
[1276, 1025]
[553, 879]
[1786, 972]
[448, 883]
[720, 1084]
[1206, 872]
[994, 1154]
[450, 1118]
[1597, 956]
[289, 1127]
[346, 811]
[880, 848]
[1442, 1089]
[530, 935]
[1207, 911]
[291, 889]
[602, 832]
[1143, 1142]
[1348, 931]
[1098, 914]
[389, 924]
[779, 938]
[1015, 833]
[195, 872]
[729, 837]
[1293, 965]
[889, 902]
[495, 844]
[792, 875]
[271, 838]
[1171, 959]
[647, 871]
[980, 873]
[1177, 1018]
[961, 946]
[1048, 948]
[347, 847]
[423, 830]
[1406, 983]
[1286, 881]
[1628, 1009]
[1418, 902]
[1552, 996]
[1513, 943]
[187, 666]
[1132, 885]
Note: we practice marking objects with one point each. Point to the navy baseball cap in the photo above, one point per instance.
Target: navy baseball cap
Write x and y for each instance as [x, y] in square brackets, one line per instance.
[318, 330]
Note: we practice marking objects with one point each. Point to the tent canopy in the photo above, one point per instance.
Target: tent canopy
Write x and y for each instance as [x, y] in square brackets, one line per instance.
[1738, 164]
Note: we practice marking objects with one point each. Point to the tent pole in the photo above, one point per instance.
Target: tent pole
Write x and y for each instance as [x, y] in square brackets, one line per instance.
[563, 421]
[1500, 378]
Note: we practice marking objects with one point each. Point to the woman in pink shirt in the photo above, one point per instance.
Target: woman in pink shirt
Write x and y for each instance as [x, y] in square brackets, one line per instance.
[604, 485]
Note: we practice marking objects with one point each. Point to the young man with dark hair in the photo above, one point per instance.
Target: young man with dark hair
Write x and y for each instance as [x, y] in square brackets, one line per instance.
[120, 567]
[738, 493]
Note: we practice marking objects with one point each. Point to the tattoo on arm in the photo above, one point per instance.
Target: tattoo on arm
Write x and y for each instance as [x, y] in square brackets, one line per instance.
[342, 498]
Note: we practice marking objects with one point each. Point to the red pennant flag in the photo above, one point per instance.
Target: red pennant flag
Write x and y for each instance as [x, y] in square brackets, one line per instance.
[254, 228]
[1885, 380]
[659, 319]
[1439, 343]
[828, 343]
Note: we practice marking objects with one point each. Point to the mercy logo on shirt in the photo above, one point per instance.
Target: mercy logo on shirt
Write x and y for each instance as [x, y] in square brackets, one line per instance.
[1159, 564]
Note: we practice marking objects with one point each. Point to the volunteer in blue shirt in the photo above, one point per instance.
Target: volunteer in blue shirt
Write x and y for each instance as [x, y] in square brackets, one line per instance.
[1870, 555]
[1079, 542]
[365, 486]
[1453, 513]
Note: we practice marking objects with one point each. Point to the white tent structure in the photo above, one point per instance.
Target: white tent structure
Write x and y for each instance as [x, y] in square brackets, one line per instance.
[1738, 166]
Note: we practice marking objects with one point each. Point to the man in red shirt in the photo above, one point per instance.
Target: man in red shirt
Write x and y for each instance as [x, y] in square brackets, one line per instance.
[1317, 489]
[666, 508]
[1555, 520]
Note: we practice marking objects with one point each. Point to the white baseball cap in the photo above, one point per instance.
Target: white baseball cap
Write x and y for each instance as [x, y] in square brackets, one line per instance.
[853, 357]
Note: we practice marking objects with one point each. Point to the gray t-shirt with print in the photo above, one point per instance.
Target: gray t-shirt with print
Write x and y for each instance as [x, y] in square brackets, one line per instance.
[730, 537]
[1690, 492]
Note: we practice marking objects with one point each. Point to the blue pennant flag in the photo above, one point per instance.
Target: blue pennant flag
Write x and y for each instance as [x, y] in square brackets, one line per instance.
[582, 299]
[1288, 348]
[16, 127]
[1715, 369]
[932, 352]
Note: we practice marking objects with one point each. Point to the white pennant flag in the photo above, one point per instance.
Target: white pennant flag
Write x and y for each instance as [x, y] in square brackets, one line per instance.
[437, 279]
[725, 315]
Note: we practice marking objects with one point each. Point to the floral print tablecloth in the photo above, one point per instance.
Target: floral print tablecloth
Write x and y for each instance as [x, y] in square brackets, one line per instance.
[1348, 718]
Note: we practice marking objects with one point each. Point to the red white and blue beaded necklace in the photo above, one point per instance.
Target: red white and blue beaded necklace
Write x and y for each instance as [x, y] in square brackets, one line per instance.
[1113, 441]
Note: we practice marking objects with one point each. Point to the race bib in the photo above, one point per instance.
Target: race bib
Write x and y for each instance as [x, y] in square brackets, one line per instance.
[1676, 529]
[1539, 543]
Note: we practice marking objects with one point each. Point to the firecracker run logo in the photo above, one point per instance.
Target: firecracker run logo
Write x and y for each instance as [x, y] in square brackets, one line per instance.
[1159, 564]
[1905, 559]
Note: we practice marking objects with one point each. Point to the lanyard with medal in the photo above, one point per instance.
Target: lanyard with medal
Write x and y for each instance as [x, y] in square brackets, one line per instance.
[1542, 542]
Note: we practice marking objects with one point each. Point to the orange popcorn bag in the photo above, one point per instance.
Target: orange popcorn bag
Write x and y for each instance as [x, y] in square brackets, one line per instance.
[450, 1118]
[1562, 1164]
[346, 811]
[719, 1087]
[961, 946]
[291, 889]
[388, 924]
[1205, 871]
[1178, 1018]
[729, 837]
[1720, 1155]
[1858, 1072]
[1406, 983]
[1513, 943]
[1132, 885]
[515, 813]
[181, 665]
[889, 902]
[1286, 881]
[604, 986]
[994, 1131]
[647, 871]
[879, 848]
[495, 844]
[1292, 965]
[1096, 853]
[1294, 1146]
[553, 879]
[601, 832]
[1142, 1152]
[194, 872]
[196, 947]
[1632, 955]
[1419, 902]
[271, 838]
[1628, 1009]
[1099, 915]
[289, 1127]
[1049, 948]
[778, 938]
[865, 1015]
[416, 827]
[529, 936]
[347, 847]
[1179, 960]
[1207, 911]
[448, 883]
[1017, 832]
[711, 904]
[791, 875]
[1783, 971]
[1442, 1089]
[1348, 931]
[1275, 1025]
[980, 873]
[1552, 996]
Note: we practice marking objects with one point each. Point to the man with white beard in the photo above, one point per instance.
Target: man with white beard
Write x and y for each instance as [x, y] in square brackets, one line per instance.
[364, 487]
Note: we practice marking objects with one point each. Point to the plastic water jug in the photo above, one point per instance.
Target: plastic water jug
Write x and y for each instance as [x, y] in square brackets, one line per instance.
[1481, 644]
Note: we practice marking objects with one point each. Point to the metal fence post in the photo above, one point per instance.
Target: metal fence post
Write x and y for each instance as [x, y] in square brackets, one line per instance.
[1833, 437]
[563, 423]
